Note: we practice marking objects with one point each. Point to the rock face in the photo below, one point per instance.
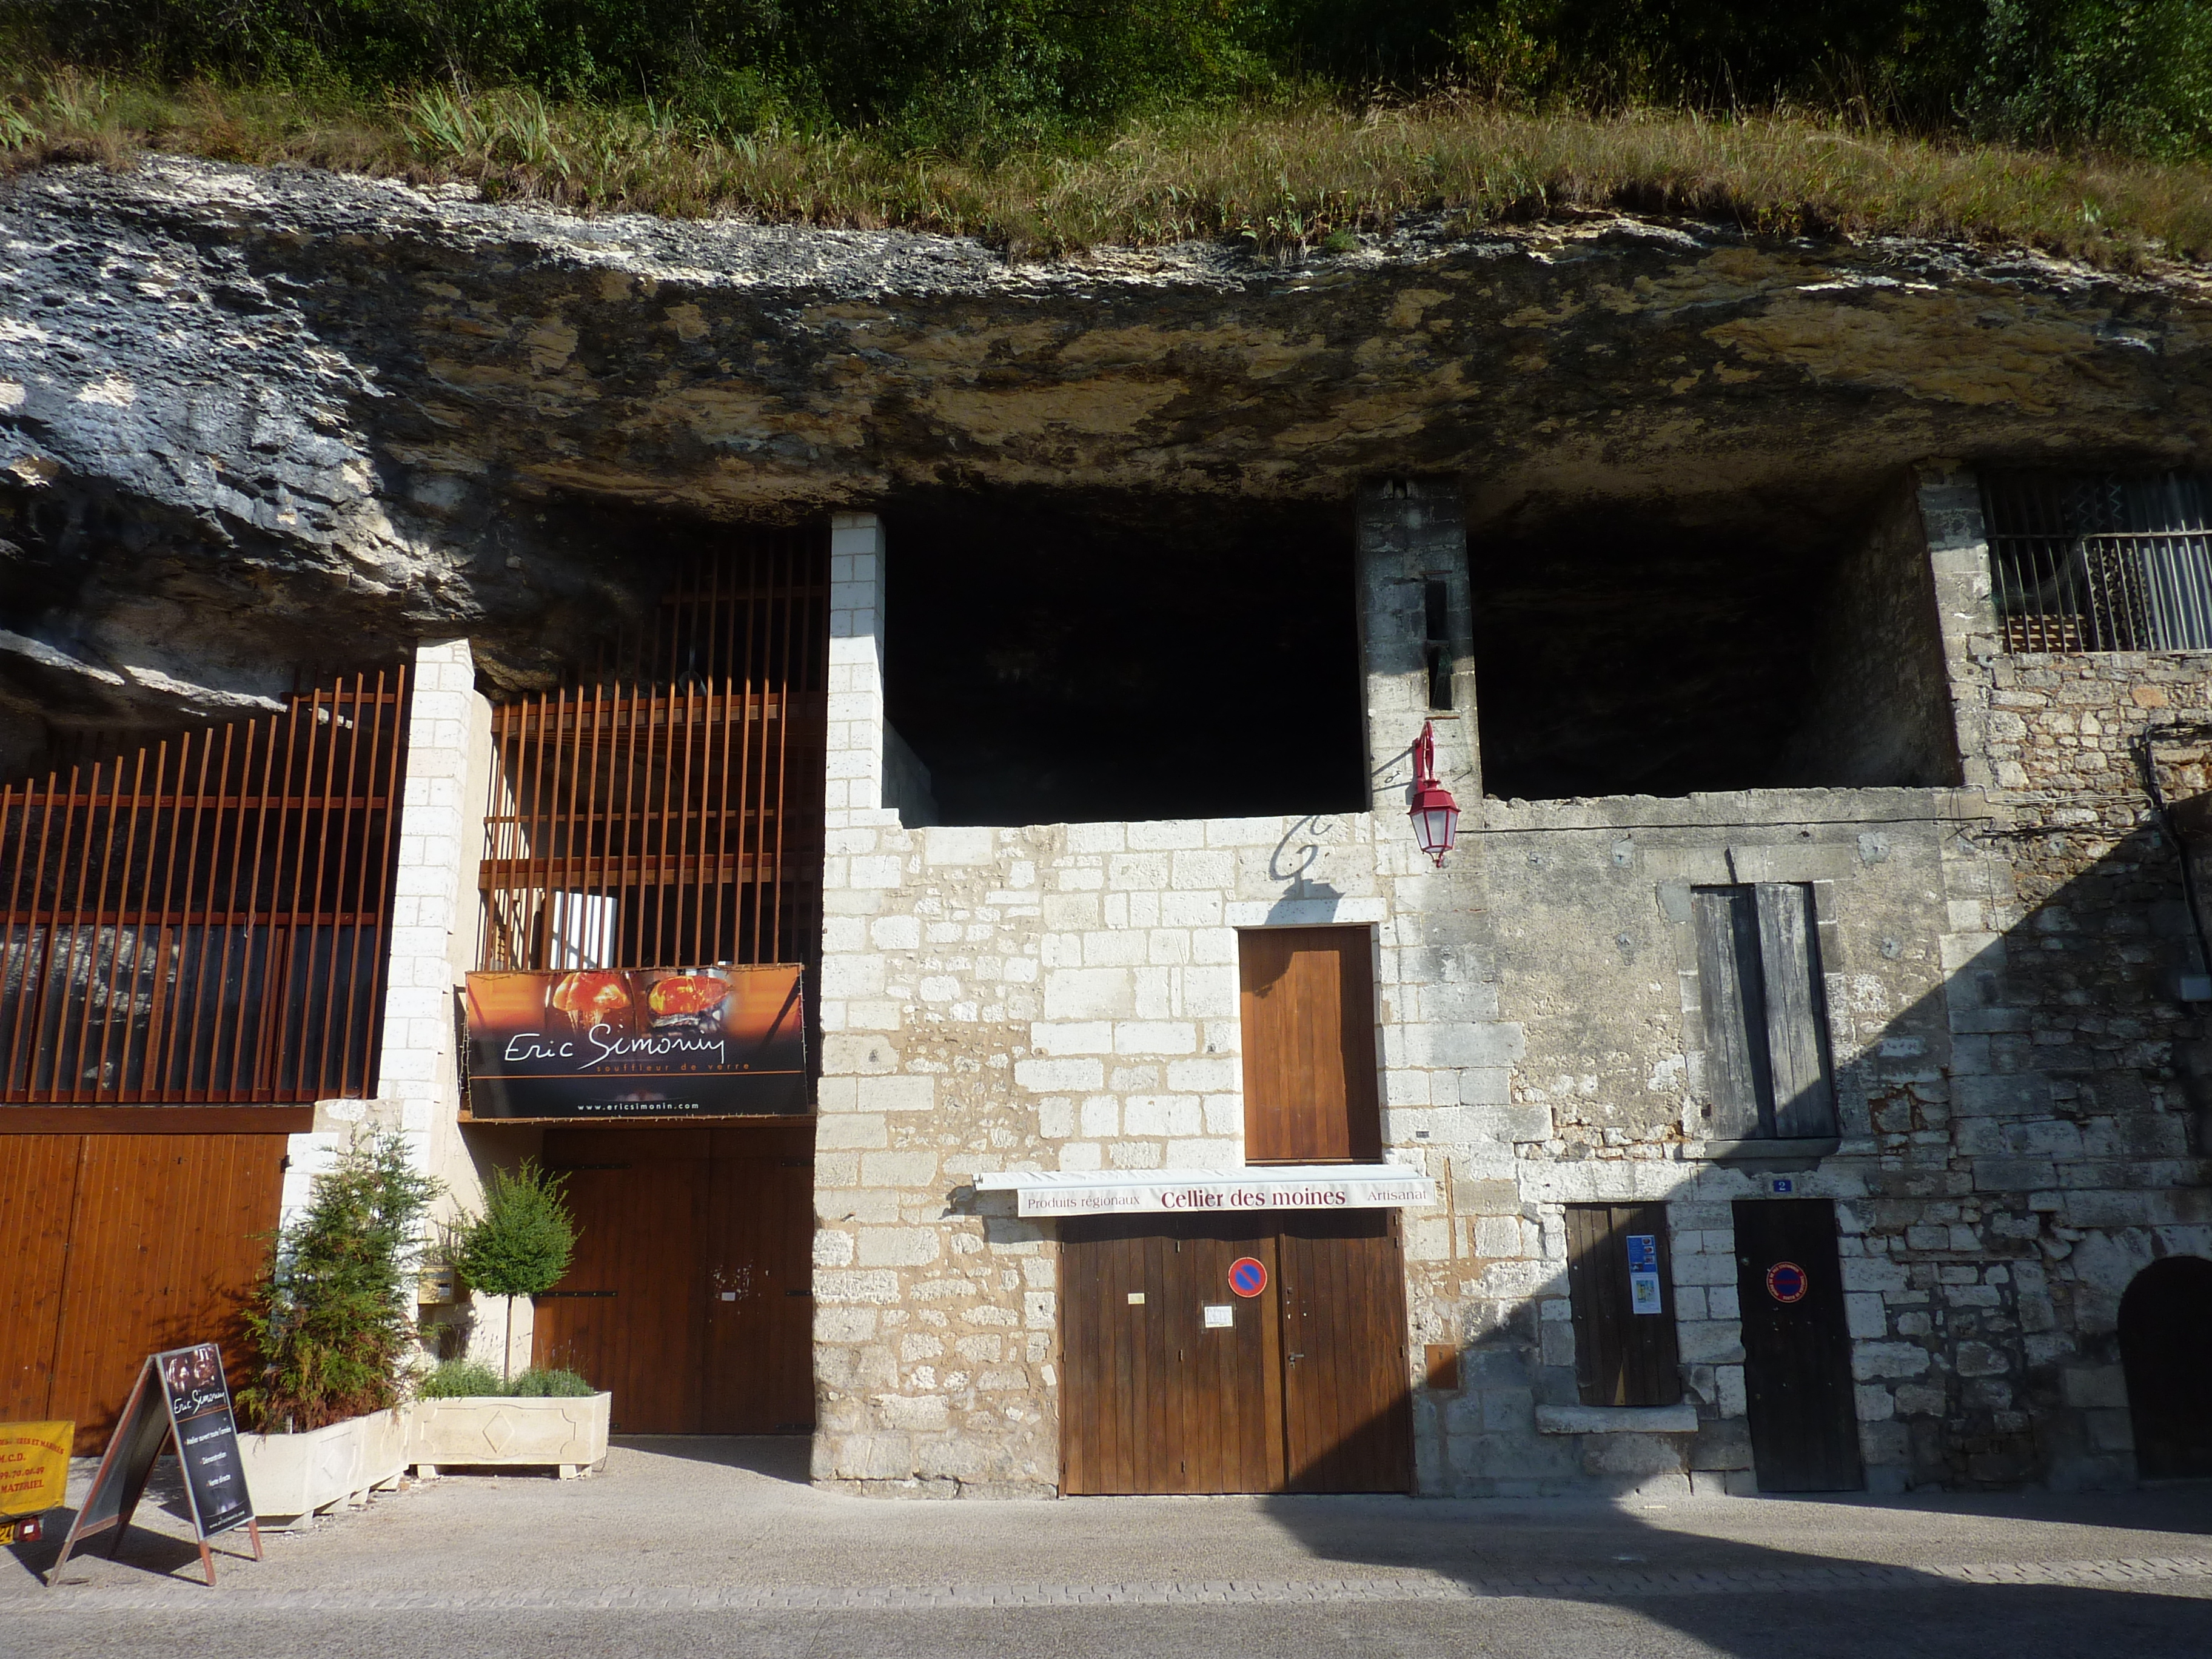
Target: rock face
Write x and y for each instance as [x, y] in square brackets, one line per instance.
[254, 424]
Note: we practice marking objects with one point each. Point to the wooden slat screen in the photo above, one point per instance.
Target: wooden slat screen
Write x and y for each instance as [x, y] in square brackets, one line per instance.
[669, 813]
[204, 921]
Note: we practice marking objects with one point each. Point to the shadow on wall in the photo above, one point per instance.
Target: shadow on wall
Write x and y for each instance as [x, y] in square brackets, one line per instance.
[2024, 1188]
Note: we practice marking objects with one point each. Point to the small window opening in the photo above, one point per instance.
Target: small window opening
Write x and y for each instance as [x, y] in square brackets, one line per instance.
[1058, 659]
[1768, 1071]
[1620, 1284]
[1437, 636]
[2100, 563]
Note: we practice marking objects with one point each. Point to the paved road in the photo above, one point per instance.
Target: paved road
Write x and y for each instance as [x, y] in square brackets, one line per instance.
[717, 1546]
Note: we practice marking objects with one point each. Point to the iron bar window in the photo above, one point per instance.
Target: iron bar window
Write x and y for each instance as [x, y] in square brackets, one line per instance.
[2103, 563]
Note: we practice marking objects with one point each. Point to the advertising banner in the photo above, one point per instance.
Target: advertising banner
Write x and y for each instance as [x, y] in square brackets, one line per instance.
[1200, 1192]
[611, 1043]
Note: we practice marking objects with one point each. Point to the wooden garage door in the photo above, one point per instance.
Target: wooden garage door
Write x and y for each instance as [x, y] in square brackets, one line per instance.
[1301, 1388]
[691, 1292]
[118, 1246]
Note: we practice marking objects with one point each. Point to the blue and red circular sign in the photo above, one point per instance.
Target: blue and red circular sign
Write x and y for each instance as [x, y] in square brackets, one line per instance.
[1248, 1276]
[1786, 1282]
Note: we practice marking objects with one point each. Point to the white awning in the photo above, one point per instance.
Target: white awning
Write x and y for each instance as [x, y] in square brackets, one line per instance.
[1212, 1192]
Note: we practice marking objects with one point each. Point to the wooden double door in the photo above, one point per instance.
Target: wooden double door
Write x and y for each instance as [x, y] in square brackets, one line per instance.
[691, 1292]
[1301, 1387]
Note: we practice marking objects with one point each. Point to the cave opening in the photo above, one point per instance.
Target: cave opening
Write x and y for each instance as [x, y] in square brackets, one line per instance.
[1100, 659]
[1669, 648]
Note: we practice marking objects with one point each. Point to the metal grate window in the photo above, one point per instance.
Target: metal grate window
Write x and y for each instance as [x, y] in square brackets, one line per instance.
[2101, 563]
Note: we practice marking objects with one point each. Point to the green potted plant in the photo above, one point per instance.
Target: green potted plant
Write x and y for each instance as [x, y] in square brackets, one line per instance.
[329, 1325]
[520, 1244]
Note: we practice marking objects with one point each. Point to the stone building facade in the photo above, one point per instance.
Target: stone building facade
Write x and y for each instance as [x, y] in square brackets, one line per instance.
[2001, 948]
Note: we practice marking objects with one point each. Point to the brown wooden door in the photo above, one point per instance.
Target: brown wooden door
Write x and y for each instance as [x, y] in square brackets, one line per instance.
[119, 1246]
[759, 1285]
[1348, 1422]
[1157, 1401]
[628, 1314]
[1168, 1403]
[1797, 1346]
[1308, 1012]
[689, 1245]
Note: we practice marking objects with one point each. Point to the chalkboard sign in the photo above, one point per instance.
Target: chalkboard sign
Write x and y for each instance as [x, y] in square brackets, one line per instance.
[180, 1396]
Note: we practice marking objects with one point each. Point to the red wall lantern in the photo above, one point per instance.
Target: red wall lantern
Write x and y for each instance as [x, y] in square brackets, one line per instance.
[1435, 813]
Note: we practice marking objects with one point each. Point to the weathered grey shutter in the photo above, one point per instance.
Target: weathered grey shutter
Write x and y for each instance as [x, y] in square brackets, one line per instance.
[1796, 1036]
[1729, 985]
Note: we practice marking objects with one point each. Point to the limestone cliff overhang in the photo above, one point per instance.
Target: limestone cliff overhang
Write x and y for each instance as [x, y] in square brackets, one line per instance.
[1212, 1192]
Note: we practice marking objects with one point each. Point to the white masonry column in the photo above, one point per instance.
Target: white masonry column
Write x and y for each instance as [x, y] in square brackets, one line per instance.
[855, 776]
[430, 943]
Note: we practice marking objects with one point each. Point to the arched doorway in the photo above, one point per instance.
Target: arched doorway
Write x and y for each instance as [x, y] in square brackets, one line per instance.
[2166, 1346]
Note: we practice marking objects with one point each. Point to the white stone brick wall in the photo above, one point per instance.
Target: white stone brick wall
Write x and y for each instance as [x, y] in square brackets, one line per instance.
[430, 945]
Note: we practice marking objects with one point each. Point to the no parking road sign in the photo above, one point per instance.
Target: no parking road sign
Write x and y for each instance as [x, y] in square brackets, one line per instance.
[1248, 1276]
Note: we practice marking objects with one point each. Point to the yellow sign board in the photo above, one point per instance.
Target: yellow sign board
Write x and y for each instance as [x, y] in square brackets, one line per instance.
[34, 1460]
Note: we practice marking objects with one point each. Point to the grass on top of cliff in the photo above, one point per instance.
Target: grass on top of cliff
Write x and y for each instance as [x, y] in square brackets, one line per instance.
[1278, 177]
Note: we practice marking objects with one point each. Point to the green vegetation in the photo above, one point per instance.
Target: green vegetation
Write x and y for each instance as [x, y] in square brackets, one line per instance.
[462, 1379]
[459, 1379]
[330, 1321]
[2081, 125]
[521, 1243]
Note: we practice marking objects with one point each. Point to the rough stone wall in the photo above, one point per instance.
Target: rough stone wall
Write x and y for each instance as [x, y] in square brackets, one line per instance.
[2070, 1166]
[1594, 960]
[1880, 713]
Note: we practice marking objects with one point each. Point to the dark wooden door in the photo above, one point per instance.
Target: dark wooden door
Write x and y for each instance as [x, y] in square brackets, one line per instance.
[760, 1303]
[1307, 1000]
[1157, 1400]
[690, 1243]
[628, 1315]
[1348, 1423]
[1625, 1350]
[2166, 1351]
[1797, 1346]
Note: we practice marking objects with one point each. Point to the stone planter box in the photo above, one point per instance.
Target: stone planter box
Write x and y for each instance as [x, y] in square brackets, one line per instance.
[498, 1431]
[295, 1476]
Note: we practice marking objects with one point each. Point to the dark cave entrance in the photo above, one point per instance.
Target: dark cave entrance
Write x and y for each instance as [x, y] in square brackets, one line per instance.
[1649, 648]
[1070, 659]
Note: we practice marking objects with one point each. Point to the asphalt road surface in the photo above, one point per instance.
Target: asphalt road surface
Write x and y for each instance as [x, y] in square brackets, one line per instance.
[717, 1546]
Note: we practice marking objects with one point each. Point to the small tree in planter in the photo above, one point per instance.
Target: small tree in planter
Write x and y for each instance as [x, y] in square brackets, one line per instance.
[330, 1321]
[521, 1245]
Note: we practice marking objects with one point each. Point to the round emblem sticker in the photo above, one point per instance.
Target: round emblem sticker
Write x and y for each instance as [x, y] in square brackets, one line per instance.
[1786, 1282]
[1248, 1276]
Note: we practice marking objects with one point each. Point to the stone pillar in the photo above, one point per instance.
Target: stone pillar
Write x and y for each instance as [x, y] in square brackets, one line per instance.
[1958, 558]
[430, 944]
[856, 666]
[1412, 533]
